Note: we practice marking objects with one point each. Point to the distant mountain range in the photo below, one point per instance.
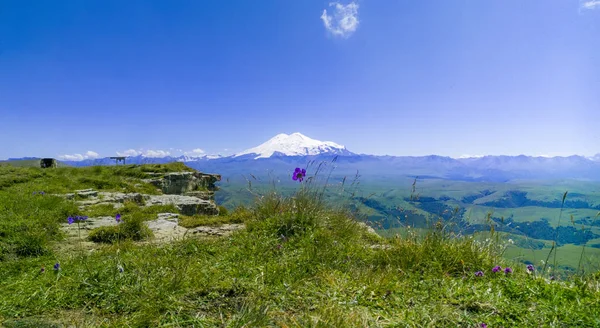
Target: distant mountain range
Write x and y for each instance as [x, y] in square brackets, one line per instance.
[283, 152]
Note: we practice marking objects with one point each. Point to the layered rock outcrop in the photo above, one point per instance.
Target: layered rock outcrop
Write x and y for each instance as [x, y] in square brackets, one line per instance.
[191, 192]
[180, 183]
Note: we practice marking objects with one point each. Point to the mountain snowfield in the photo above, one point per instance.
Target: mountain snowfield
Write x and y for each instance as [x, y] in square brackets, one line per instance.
[295, 144]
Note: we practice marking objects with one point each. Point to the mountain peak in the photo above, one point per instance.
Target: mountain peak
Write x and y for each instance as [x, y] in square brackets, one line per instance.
[295, 144]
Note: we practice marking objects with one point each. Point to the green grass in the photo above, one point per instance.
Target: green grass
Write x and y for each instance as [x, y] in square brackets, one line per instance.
[131, 228]
[237, 216]
[301, 262]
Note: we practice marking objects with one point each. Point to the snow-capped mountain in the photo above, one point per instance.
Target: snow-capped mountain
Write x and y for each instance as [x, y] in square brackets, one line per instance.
[186, 158]
[295, 144]
[595, 158]
[284, 151]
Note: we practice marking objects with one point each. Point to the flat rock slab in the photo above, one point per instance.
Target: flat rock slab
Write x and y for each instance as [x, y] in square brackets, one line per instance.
[168, 216]
[73, 230]
[223, 230]
[187, 205]
[86, 193]
[165, 228]
[114, 198]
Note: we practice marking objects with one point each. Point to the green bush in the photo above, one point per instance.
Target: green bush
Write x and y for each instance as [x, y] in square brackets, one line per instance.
[31, 244]
[129, 229]
[223, 210]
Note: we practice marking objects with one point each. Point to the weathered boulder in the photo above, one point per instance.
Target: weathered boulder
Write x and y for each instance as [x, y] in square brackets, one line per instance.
[166, 230]
[186, 205]
[180, 183]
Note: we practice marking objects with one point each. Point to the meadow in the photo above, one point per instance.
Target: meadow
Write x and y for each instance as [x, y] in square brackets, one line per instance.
[534, 207]
[303, 260]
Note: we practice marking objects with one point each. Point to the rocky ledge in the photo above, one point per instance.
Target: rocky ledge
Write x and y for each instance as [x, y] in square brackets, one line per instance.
[191, 204]
[165, 228]
[180, 183]
[192, 193]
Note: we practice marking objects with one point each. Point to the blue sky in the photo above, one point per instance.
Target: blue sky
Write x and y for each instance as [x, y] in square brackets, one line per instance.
[380, 77]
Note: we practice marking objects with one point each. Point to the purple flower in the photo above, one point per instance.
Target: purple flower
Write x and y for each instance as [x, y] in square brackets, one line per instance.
[76, 218]
[496, 268]
[118, 218]
[56, 266]
[530, 268]
[483, 325]
[42, 270]
[120, 268]
[42, 193]
[508, 270]
[479, 274]
[299, 174]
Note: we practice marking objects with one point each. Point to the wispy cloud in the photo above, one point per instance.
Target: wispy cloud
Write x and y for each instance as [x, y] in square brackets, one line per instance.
[145, 153]
[590, 4]
[79, 157]
[156, 153]
[195, 152]
[129, 152]
[343, 20]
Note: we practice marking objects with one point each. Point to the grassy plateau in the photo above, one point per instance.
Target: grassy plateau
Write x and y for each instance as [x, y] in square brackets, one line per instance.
[303, 260]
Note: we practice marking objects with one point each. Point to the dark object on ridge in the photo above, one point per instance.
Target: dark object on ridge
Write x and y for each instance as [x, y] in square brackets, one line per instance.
[119, 159]
[47, 162]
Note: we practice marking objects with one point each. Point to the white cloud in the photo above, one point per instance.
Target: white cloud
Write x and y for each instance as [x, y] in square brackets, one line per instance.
[145, 153]
[591, 4]
[155, 153]
[195, 152]
[79, 157]
[129, 152]
[343, 21]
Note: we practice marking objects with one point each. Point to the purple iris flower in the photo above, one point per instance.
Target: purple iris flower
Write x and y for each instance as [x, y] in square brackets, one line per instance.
[77, 218]
[530, 268]
[118, 218]
[479, 274]
[299, 174]
[508, 270]
[57, 266]
[496, 268]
